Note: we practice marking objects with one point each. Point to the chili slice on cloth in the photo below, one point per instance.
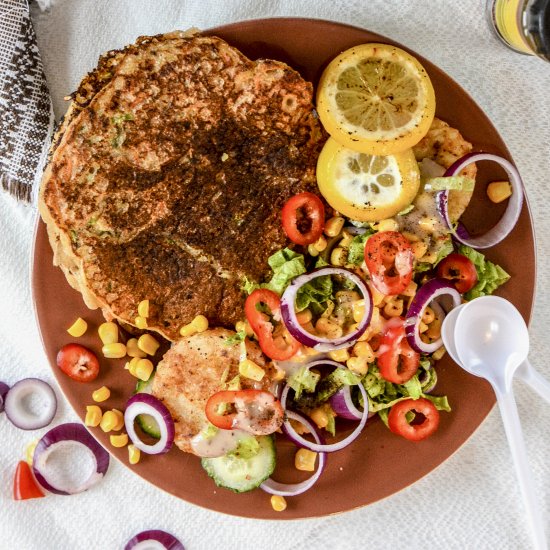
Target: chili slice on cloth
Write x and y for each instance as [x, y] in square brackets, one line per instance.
[414, 431]
[389, 260]
[275, 341]
[24, 484]
[303, 218]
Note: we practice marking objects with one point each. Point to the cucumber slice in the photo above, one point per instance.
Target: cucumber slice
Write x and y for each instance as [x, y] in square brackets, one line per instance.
[145, 421]
[239, 474]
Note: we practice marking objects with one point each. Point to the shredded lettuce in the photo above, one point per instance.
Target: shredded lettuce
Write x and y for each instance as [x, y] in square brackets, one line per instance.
[331, 425]
[356, 251]
[247, 447]
[489, 275]
[321, 262]
[315, 295]
[249, 286]
[445, 249]
[286, 265]
[209, 432]
[303, 380]
[441, 403]
[344, 377]
[237, 338]
[412, 387]
[326, 388]
[450, 183]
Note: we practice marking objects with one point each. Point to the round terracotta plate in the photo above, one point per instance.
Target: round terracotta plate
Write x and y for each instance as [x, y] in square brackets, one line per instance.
[378, 464]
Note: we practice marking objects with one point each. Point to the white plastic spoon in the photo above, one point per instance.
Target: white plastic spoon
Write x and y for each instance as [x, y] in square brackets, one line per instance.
[491, 343]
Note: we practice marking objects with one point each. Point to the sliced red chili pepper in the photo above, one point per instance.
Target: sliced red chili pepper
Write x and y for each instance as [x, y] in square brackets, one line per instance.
[389, 260]
[255, 411]
[460, 270]
[24, 484]
[414, 431]
[78, 362]
[397, 361]
[303, 218]
[275, 342]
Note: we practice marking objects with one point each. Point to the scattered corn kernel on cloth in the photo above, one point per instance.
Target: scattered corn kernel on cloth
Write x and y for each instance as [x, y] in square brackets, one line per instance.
[472, 501]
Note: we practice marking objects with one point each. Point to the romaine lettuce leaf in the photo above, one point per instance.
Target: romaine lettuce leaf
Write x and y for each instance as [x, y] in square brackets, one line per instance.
[489, 275]
[303, 380]
[286, 265]
[356, 251]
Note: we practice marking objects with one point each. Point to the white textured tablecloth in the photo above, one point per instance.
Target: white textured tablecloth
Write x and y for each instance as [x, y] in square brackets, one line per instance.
[471, 501]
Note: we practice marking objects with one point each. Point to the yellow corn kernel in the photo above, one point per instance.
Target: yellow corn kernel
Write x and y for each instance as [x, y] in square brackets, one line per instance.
[422, 327]
[410, 291]
[132, 364]
[429, 257]
[140, 322]
[148, 344]
[434, 330]
[93, 416]
[312, 251]
[304, 460]
[393, 308]
[187, 330]
[108, 421]
[108, 332]
[438, 354]
[419, 248]
[132, 348]
[304, 317]
[334, 226]
[499, 191]
[134, 454]
[358, 310]
[363, 349]
[387, 225]
[347, 296]
[114, 351]
[200, 323]
[328, 328]
[244, 325]
[428, 223]
[377, 296]
[319, 416]
[411, 237]
[299, 428]
[120, 419]
[358, 365]
[320, 244]
[78, 328]
[339, 355]
[249, 369]
[29, 451]
[338, 256]
[143, 369]
[376, 322]
[102, 394]
[428, 316]
[278, 503]
[120, 440]
[143, 308]
[279, 374]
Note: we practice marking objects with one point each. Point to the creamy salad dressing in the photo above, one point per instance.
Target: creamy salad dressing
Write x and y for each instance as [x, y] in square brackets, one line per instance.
[221, 443]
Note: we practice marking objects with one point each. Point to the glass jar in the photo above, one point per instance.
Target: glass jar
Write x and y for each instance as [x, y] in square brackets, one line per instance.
[523, 25]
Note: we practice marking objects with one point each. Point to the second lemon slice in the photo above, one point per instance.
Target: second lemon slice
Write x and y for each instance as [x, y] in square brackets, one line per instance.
[376, 99]
[366, 187]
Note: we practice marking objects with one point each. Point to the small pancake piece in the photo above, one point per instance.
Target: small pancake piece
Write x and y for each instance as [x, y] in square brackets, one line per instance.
[194, 369]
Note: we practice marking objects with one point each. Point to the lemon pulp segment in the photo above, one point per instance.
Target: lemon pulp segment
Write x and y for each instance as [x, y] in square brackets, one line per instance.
[366, 187]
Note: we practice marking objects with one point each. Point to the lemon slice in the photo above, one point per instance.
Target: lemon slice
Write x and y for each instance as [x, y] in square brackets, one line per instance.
[366, 187]
[376, 99]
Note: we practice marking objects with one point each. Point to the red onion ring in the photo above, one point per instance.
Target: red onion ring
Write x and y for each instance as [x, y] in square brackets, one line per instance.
[342, 404]
[144, 403]
[153, 540]
[21, 416]
[58, 438]
[319, 343]
[425, 295]
[4, 388]
[292, 489]
[293, 435]
[511, 214]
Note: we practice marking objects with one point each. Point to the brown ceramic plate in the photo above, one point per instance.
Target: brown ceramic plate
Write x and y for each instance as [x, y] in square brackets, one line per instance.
[379, 463]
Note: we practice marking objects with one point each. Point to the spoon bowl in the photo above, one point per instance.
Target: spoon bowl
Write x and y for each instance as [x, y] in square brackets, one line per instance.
[490, 339]
[448, 332]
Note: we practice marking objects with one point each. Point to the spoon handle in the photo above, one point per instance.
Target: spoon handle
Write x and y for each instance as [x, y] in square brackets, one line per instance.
[512, 426]
[530, 376]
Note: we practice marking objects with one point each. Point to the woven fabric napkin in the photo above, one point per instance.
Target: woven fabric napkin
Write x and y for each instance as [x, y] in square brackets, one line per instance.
[26, 116]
